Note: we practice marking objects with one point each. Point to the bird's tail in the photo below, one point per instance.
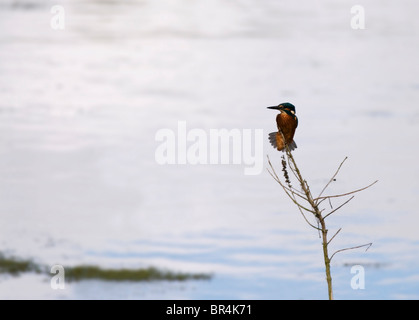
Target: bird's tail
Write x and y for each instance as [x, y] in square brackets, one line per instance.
[272, 139]
[275, 138]
[292, 145]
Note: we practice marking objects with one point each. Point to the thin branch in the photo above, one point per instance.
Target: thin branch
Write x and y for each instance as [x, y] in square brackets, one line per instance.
[276, 178]
[289, 156]
[293, 169]
[290, 190]
[305, 218]
[295, 201]
[291, 194]
[334, 236]
[346, 194]
[273, 170]
[333, 177]
[330, 203]
[318, 203]
[306, 195]
[364, 245]
[338, 207]
[298, 192]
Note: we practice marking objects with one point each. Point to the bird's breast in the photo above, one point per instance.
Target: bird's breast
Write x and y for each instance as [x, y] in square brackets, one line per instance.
[287, 124]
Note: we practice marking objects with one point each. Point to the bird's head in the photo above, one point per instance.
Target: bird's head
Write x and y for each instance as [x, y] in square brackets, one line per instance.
[286, 106]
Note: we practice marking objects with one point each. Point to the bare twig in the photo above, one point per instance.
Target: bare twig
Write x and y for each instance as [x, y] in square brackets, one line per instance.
[332, 178]
[291, 194]
[305, 218]
[288, 191]
[368, 245]
[348, 193]
[334, 236]
[313, 205]
[339, 207]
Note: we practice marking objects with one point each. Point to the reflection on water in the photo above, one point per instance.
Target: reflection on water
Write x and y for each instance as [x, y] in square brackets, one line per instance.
[79, 110]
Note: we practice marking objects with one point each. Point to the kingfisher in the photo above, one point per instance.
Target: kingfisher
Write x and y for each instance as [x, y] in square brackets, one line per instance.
[287, 122]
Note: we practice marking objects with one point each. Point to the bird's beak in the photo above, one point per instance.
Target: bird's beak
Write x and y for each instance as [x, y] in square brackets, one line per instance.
[276, 107]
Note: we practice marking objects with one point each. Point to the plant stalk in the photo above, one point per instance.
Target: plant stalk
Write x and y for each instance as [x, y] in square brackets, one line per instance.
[320, 218]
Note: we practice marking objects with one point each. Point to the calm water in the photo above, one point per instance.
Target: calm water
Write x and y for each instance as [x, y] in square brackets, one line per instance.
[79, 112]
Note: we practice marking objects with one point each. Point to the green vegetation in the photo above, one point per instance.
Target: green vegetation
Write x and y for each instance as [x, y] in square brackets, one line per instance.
[16, 266]
[93, 272]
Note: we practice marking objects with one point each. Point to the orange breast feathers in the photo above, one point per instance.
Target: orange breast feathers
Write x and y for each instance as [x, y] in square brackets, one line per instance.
[287, 124]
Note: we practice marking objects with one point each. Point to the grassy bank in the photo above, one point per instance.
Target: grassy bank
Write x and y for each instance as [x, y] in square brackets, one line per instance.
[93, 272]
[15, 266]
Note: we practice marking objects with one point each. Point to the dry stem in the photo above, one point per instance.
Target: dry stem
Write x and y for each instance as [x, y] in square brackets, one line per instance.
[312, 207]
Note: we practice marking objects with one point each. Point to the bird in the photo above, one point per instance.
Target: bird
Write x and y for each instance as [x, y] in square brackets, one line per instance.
[287, 122]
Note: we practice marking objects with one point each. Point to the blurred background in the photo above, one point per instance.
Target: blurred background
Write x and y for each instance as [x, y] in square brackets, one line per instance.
[80, 107]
